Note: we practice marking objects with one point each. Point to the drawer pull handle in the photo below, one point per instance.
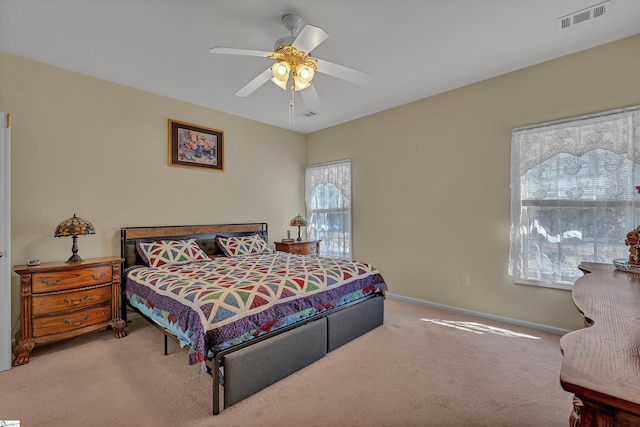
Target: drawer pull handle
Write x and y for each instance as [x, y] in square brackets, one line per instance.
[99, 276]
[54, 282]
[68, 300]
[69, 322]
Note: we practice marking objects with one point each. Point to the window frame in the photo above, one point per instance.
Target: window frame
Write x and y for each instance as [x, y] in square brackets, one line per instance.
[521, 235]
[345, 231]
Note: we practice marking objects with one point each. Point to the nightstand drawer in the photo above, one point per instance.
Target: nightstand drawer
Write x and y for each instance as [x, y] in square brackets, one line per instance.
[304, 248]
[70, 321]
[66, 301]
[58, 281]
[310, 247]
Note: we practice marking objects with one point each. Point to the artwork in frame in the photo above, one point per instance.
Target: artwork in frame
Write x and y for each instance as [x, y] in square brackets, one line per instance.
[195, 146]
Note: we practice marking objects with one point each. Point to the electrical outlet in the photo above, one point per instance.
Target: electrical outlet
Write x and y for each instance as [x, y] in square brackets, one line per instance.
[464, 280]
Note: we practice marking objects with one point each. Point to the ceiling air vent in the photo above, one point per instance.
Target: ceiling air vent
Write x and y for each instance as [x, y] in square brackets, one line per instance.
[308, 114]
[584, 15]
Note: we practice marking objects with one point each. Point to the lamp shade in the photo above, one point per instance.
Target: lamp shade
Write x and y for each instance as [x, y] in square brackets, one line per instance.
[74, 227]
[298, 221]
[281, 72]
[303, 76]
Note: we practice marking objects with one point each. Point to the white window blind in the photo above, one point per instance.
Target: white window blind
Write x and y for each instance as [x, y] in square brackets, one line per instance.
[573, 195]
[328, 201]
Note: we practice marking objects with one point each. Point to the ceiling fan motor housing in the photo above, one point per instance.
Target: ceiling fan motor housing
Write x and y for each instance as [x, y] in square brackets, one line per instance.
[294, 24]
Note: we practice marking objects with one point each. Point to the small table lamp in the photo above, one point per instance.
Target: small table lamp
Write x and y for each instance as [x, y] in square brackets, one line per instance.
[298, 221]
[74, 227]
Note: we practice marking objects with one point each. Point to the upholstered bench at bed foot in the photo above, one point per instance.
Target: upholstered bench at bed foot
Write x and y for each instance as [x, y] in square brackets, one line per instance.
[253, 368]
[346, 325]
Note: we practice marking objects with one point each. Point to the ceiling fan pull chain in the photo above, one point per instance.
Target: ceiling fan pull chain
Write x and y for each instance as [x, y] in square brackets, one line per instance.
[291, 108]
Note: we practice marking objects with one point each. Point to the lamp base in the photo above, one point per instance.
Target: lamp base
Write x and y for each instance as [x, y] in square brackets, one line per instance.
[74, 258]
[299, 238]
[74, 249]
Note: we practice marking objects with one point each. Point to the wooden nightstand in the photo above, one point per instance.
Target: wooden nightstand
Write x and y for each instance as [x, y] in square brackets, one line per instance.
[61, 300]
[300, 248]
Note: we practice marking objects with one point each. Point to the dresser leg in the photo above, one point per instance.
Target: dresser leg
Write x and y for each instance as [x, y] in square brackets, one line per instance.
[575, 420]
[118, 325]
[22, 350]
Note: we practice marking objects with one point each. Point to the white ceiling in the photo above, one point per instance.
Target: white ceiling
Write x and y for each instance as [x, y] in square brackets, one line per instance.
[412, 48]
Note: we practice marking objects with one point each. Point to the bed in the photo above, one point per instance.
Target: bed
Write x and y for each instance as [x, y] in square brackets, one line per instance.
[248, 315]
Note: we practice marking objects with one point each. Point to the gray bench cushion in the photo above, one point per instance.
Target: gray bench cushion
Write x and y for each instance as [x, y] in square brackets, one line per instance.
[343, 326]
[253, 368]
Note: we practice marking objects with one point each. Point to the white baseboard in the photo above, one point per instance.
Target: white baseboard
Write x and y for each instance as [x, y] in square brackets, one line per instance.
[507, 320]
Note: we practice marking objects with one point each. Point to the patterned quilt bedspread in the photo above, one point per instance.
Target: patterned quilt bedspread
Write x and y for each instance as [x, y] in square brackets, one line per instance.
[211, 305]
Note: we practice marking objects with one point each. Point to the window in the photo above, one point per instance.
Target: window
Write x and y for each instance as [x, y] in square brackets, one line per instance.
[328, 199]
[573, 195]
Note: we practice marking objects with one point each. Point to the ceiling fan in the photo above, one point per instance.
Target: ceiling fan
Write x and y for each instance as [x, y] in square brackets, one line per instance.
[294, 62]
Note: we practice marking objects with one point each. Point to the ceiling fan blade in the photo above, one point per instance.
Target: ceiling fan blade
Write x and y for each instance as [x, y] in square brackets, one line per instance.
[254, 84]
[311, 98]
[345, 73]
[309, 38]
[234, 51]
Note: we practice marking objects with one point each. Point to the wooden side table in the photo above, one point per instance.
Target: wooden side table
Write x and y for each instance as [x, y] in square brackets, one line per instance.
[61, 300]
[300, 248]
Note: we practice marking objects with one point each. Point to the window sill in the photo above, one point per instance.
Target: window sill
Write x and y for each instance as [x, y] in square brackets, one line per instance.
[566, 286]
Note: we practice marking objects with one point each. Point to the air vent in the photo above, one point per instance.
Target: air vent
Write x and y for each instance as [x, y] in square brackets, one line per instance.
[584, 15]
[308, 114]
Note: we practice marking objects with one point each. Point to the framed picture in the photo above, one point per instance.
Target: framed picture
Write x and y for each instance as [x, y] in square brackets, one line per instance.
[195, 146]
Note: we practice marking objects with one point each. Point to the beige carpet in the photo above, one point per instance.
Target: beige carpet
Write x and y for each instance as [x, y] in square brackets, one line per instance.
[423, 367]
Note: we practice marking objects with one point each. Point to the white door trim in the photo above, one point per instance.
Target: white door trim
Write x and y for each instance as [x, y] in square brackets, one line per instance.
[5, 242]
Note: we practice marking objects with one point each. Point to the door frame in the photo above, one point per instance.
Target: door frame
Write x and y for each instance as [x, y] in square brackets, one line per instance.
[5, 242]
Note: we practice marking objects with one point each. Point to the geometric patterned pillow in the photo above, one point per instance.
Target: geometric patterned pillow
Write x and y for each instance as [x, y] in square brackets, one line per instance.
[242, 245]
[163, 252]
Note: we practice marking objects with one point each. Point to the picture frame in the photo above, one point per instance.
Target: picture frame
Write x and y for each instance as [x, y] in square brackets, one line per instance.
[195, 146]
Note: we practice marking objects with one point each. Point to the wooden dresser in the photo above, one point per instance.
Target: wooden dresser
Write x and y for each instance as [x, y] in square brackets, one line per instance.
[601, 364]
[60, 300]
[300, 248]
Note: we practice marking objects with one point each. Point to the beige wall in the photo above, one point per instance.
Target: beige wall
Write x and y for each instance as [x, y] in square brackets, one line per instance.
[86, 146]
[431, 179]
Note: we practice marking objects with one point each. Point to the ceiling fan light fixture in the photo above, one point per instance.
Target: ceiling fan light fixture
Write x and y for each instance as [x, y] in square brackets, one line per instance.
[299, 85]
[303, 76]
[281, 72]
[280, 83]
